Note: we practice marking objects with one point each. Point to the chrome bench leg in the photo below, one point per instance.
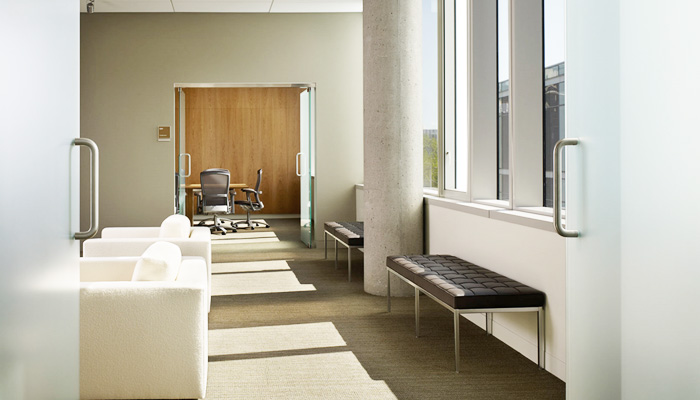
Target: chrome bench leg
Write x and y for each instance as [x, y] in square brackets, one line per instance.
[388, 290]
[456, 322]
[349, 265]
[336, 253]
[417, 311]
[325, 245]
[489, 323]
[540, 338]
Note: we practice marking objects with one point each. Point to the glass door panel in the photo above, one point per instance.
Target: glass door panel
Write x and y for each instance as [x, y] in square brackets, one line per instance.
[182, 158]
[40, 113]
[593, 203]
[304, 163]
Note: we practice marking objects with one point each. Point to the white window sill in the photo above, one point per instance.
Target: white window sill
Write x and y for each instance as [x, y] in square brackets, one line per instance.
[532, 218]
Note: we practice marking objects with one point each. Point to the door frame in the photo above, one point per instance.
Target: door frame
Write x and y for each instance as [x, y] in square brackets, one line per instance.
[234, 85]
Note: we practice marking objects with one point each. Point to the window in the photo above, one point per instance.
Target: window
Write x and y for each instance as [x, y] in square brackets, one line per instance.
[499, 111]
[455, 107]
[430, 94]
[503, 90]
[554, 123]
[461, 51]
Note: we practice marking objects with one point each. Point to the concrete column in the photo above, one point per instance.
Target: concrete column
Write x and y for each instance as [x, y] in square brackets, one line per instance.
[393, 140]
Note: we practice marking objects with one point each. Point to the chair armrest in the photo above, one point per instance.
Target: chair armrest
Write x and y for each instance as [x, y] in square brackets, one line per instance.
[131, 232]
[249, 190]
[116, 247]
[200, 233]
[100, 269]
[125, 247]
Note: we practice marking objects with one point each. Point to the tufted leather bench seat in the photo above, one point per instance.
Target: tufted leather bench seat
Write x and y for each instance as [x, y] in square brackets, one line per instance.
[349, 234]
[464, 287]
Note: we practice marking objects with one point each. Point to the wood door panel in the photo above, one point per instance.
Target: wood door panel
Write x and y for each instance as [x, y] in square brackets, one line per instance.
[242, 130]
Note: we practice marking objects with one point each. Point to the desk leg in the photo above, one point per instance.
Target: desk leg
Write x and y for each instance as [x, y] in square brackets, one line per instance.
[192, 208]
[189, 205]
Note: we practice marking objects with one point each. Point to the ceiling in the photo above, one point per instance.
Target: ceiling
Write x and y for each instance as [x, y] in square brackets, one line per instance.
[225, 6]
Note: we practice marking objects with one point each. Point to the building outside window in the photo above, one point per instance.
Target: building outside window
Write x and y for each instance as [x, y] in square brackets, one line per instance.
[503, 65]
[553, 123]
[554, 93]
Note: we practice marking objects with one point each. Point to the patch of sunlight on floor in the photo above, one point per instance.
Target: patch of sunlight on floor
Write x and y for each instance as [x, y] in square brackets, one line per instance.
[245, 241]
[250, 266]
[273, 338]
[256, 283]
[243, 235]
[317, 376]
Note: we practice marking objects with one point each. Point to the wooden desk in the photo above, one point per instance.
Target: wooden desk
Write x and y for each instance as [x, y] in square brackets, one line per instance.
[189, 197]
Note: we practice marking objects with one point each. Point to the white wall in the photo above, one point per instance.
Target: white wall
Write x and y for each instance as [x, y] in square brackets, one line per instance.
[535, 257]
[129, 63]
[359, 202]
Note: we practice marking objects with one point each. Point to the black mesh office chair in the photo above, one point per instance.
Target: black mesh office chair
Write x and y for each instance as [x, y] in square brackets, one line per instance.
[251, 205]
[216, 198]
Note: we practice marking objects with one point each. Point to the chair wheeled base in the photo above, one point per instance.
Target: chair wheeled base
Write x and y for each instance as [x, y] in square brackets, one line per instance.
[218, 224]
[249, 223]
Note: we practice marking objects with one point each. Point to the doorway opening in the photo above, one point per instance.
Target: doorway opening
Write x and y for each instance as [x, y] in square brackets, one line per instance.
[243, 128]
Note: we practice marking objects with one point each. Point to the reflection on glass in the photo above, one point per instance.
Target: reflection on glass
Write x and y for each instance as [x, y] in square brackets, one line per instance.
[503, 103]
[430, 94]
[554, 122]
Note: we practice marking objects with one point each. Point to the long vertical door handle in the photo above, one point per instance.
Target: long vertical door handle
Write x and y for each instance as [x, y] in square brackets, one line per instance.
[558, 150]
[189, 165]
[94, 188]
[297, 159]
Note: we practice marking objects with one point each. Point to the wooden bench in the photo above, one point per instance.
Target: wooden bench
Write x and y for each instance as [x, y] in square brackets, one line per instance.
[465, 288]
[349, 234]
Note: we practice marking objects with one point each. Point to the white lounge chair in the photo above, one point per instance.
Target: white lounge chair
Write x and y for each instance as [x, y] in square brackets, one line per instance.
[142, 339]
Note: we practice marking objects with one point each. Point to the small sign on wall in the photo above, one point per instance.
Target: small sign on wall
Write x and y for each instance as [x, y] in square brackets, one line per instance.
[163, 133]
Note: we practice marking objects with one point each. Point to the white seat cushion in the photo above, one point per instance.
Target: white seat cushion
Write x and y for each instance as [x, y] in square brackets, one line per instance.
[175, 226]
[160, 262]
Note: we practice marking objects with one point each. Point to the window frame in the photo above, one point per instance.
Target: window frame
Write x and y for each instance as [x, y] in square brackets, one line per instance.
[447, 113]
[526, 104]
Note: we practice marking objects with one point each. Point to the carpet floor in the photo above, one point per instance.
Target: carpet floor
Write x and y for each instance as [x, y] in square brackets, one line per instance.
[285, 324]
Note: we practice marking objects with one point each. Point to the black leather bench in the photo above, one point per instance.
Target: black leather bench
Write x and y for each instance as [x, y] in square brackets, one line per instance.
[463, 288]
[349, 234]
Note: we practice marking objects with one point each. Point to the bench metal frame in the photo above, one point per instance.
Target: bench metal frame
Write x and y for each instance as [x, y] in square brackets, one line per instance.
[459, 311]
[325, 245]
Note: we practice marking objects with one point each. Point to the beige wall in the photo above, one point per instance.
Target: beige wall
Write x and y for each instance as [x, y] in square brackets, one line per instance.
[129, 63]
